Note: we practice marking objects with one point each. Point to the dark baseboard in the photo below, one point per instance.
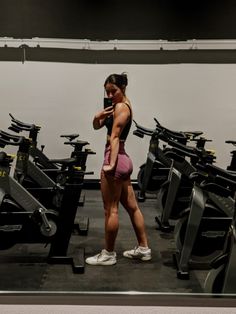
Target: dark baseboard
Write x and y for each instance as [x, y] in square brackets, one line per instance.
[94, 184]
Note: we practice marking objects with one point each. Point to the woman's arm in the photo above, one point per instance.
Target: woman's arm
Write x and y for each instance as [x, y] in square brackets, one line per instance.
[99, 118]
[121, 117]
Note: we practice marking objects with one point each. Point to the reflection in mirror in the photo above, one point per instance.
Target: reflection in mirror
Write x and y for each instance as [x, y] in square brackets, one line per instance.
[183, 174]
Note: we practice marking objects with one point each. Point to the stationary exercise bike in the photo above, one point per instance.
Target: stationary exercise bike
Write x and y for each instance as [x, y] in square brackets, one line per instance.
[39, 184]
[42, 161]
[153, 173]
[222, 276]
[23, 219]
[201, 233]
[174, 194]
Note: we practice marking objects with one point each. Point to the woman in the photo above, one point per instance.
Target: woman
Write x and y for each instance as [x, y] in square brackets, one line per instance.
[115, 174]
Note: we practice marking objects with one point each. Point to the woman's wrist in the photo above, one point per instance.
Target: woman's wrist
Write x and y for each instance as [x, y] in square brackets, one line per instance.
[112, 164]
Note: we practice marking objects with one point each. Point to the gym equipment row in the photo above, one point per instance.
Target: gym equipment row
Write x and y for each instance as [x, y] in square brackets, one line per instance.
[37, 208]
[195, 193]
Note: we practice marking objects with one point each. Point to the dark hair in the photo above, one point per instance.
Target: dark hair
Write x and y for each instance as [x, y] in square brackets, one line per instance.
[119, 80]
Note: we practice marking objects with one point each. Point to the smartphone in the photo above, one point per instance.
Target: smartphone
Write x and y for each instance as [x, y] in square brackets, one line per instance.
[107, 102]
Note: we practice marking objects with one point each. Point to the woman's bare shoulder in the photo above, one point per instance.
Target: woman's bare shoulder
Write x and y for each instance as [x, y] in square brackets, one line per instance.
[123, 106]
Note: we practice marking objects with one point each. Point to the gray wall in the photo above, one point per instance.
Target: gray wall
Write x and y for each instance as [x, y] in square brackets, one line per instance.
[62, 98]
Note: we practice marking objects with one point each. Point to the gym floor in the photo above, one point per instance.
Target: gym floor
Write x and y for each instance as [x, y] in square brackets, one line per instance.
[24, 268]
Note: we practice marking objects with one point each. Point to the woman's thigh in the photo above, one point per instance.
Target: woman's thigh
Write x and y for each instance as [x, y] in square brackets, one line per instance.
[127, 197]
[111, 190]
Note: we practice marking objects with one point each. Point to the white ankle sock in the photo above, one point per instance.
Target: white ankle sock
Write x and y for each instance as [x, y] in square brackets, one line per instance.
[109, 253]
[143, 248]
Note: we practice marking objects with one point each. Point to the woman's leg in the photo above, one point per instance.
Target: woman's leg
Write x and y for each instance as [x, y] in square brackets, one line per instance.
[111, 191]
[128, 200]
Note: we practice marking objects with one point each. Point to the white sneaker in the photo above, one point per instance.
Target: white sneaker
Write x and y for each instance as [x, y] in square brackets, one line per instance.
[103, 258]
[144, 254]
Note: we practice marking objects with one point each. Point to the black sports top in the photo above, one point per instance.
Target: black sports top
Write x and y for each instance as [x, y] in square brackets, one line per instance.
[109, 124]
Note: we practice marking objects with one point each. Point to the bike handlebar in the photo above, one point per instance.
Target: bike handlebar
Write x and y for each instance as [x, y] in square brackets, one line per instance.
[22, 125]
[9, 139]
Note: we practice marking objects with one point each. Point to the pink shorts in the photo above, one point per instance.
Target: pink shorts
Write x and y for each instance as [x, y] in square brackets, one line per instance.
[124, 166]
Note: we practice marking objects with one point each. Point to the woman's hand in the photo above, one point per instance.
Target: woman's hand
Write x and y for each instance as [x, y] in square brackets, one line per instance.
[105, 113]
[108, 168]
[98, 120]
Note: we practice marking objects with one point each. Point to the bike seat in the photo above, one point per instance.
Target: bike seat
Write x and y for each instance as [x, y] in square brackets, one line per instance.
[193, 134]
[70, 137]
[77, 143]
[231, 142]
[64, 161]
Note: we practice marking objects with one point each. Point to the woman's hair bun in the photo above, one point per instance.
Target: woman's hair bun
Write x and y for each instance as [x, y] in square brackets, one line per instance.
[124, 78]
[119, 80]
